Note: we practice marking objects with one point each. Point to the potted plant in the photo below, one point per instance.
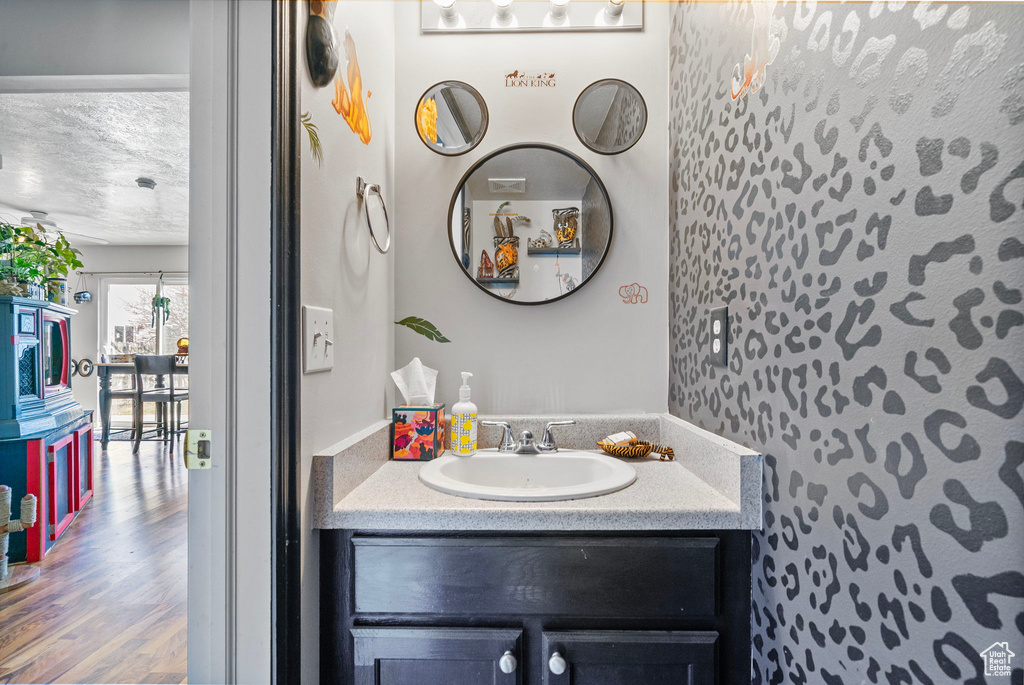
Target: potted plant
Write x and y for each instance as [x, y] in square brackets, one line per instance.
[22, 262]
[60, 259]
[28, 261]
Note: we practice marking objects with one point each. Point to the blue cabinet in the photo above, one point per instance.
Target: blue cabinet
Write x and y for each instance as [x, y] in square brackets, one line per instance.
[35, 367]
[45, 436]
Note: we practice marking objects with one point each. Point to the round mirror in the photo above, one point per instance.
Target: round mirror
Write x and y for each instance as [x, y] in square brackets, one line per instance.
[530, 223]
[610, 116]
[451, 118]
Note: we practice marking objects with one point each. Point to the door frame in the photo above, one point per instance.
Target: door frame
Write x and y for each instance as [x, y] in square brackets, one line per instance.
[286, 349]
[231, 516]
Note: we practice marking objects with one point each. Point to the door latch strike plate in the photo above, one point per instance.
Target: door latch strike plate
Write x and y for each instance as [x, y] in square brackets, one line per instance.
[198, 449]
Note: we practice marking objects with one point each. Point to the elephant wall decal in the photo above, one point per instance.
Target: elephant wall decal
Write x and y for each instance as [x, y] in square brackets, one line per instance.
[633, 294]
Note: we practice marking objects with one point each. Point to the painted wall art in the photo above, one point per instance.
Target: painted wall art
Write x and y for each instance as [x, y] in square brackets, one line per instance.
[748, 76]
[634, 293]
[423, 327]
[349, 100]
[862, 215]
[315, 149]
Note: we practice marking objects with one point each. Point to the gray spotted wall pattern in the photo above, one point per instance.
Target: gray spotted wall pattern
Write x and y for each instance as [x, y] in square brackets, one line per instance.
[861, 211]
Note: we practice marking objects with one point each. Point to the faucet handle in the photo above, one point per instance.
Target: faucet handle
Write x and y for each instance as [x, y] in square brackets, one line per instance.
[507, 443]
[548, 442]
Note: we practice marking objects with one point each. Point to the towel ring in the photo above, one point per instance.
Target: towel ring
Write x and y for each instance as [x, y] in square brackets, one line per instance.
[363, 190]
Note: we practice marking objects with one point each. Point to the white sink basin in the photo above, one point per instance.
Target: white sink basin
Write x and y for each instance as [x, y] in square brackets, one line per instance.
[494, 475]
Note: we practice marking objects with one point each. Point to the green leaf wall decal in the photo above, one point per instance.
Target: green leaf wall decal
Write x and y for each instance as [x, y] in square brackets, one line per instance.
[423, 327]
[314, 138]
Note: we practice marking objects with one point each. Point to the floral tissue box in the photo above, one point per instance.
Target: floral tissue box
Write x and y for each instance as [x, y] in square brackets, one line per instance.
[417, 433]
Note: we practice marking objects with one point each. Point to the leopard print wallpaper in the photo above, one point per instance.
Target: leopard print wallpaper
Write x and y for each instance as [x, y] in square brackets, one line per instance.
[860, 208]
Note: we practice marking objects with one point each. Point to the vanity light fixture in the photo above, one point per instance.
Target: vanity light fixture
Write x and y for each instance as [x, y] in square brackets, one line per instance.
[614, 8]
[502, 9]
[559, 8]
[447, 8]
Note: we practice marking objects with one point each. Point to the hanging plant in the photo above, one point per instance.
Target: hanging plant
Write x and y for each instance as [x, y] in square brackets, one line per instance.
[161, 307]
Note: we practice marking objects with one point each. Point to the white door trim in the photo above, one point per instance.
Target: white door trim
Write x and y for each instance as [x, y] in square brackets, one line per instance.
[94, 83]
[229, 574]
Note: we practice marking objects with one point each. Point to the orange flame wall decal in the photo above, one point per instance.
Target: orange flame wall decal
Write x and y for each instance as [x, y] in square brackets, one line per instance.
[763, 49]
[349, 102]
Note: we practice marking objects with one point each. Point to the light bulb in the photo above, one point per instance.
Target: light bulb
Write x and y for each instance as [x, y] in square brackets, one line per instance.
[447, 8]
[559, 8]
[614, 8]
[502, 8]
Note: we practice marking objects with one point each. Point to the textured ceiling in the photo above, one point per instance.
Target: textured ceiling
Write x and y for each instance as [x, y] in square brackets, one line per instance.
[77, 155]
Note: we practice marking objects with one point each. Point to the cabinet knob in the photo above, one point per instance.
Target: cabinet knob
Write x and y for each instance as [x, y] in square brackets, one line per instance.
[507, 663]
[557, 664]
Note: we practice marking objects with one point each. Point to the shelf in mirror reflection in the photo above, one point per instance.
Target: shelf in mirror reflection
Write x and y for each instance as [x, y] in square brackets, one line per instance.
[497, 282]
[553, 251]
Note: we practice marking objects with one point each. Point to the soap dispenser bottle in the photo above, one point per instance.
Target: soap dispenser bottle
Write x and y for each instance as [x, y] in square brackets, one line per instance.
[464, 421]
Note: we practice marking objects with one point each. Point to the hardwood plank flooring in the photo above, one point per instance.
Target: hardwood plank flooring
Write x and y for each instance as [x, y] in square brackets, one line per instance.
[109, 604]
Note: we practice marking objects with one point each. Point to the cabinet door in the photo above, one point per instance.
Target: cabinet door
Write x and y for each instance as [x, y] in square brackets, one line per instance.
[83, 466]
[436, 656]
[610, 657]
[60, 467]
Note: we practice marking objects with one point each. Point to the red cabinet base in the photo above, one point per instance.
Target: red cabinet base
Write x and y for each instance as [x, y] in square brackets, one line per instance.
[58, 471]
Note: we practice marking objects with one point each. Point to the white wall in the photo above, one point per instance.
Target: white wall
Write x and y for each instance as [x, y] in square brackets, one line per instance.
[73, 37]
[583, 353]
[341, 270]
[85, 327]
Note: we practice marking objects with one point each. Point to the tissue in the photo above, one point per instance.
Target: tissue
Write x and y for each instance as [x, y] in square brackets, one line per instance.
[416, 382]
[418, 426]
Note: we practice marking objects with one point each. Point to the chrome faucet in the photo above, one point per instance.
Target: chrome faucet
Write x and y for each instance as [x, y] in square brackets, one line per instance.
[526, 445]
[547, 443]
[507, 444]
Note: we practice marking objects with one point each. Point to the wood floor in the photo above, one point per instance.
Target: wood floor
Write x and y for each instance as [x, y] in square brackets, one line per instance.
[109, 604]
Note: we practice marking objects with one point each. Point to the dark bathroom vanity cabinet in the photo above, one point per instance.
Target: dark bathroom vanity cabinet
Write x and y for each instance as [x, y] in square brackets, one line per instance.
[645, 608]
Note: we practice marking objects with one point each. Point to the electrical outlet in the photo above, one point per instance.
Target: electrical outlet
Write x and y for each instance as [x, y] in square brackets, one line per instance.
[720, 336]
[317, 339]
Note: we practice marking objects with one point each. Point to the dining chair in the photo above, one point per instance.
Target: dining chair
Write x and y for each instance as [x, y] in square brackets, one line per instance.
[168, 399]
[123, 393]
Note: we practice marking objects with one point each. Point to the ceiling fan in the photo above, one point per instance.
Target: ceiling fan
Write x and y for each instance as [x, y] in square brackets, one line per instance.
[50, 227]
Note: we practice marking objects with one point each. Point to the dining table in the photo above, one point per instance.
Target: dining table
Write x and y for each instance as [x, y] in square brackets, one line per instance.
[105, 371]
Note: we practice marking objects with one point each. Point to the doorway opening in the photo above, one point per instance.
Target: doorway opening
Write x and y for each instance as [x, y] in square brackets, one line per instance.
[96, 165]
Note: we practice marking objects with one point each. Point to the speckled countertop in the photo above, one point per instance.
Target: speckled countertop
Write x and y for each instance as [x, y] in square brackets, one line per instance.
[713, 484]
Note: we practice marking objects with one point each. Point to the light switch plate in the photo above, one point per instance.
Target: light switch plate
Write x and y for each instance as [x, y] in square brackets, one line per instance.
[317, 339]
[719, 320]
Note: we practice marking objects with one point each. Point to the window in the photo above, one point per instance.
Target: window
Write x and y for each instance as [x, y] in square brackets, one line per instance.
[129, 327]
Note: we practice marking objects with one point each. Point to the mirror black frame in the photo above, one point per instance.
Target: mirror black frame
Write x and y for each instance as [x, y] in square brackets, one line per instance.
[543, 146]
[647, 115]
[486, 116]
